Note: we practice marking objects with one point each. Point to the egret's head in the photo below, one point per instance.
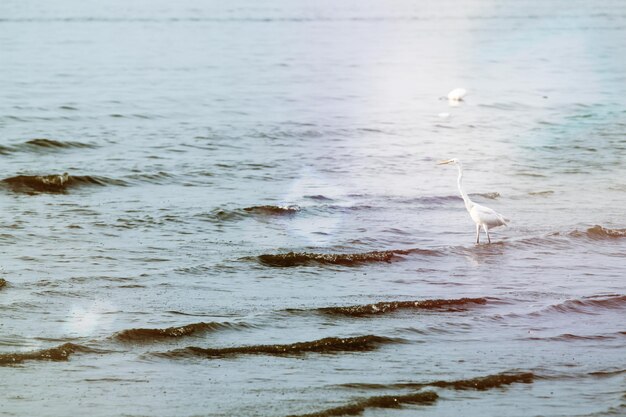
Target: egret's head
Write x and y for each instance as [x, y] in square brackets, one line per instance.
[452, 161]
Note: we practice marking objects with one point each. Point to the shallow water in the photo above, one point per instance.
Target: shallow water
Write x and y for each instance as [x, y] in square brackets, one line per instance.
[253, 222]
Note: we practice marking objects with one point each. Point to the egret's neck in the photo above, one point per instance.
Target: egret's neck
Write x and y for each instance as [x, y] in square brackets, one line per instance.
[466, 199]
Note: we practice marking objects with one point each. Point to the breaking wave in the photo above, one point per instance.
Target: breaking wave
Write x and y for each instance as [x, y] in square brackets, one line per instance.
[58, 353]
[326, 345]
[459, 304]
[292, 259]
[155, 335]
[57, 183]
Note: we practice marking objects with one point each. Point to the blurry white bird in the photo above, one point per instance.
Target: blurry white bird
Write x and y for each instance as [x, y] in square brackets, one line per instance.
[457, 94]
[482, 216]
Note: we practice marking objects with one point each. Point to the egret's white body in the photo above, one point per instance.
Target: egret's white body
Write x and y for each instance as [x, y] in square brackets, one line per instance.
[483, 216]
[457, 94]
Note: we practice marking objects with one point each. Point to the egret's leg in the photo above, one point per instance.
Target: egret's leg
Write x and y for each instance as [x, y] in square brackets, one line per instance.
[477, 233]
[487, 233]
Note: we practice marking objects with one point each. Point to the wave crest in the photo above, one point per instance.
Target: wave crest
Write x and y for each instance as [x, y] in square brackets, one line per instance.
[52, 144]
[569, 337]
[56, 183]
[459, 304]
[269, 210]
[326, 345]
[587, 305]
[58, 353]
[491, 196]
[220, 215]
[482, 383]
[420, 397]
[43, 145]
[386, 401]
[154, 335]
[486, 382]
[599, 232]
[292, 259]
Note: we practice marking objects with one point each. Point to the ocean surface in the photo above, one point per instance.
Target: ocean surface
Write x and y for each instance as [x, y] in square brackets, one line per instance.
[234, 208]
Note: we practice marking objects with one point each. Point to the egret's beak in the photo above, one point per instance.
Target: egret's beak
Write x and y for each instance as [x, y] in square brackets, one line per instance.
[449, 161]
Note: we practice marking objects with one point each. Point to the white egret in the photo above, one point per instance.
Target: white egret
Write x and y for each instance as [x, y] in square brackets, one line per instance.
[457, 94]
[483, 216]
